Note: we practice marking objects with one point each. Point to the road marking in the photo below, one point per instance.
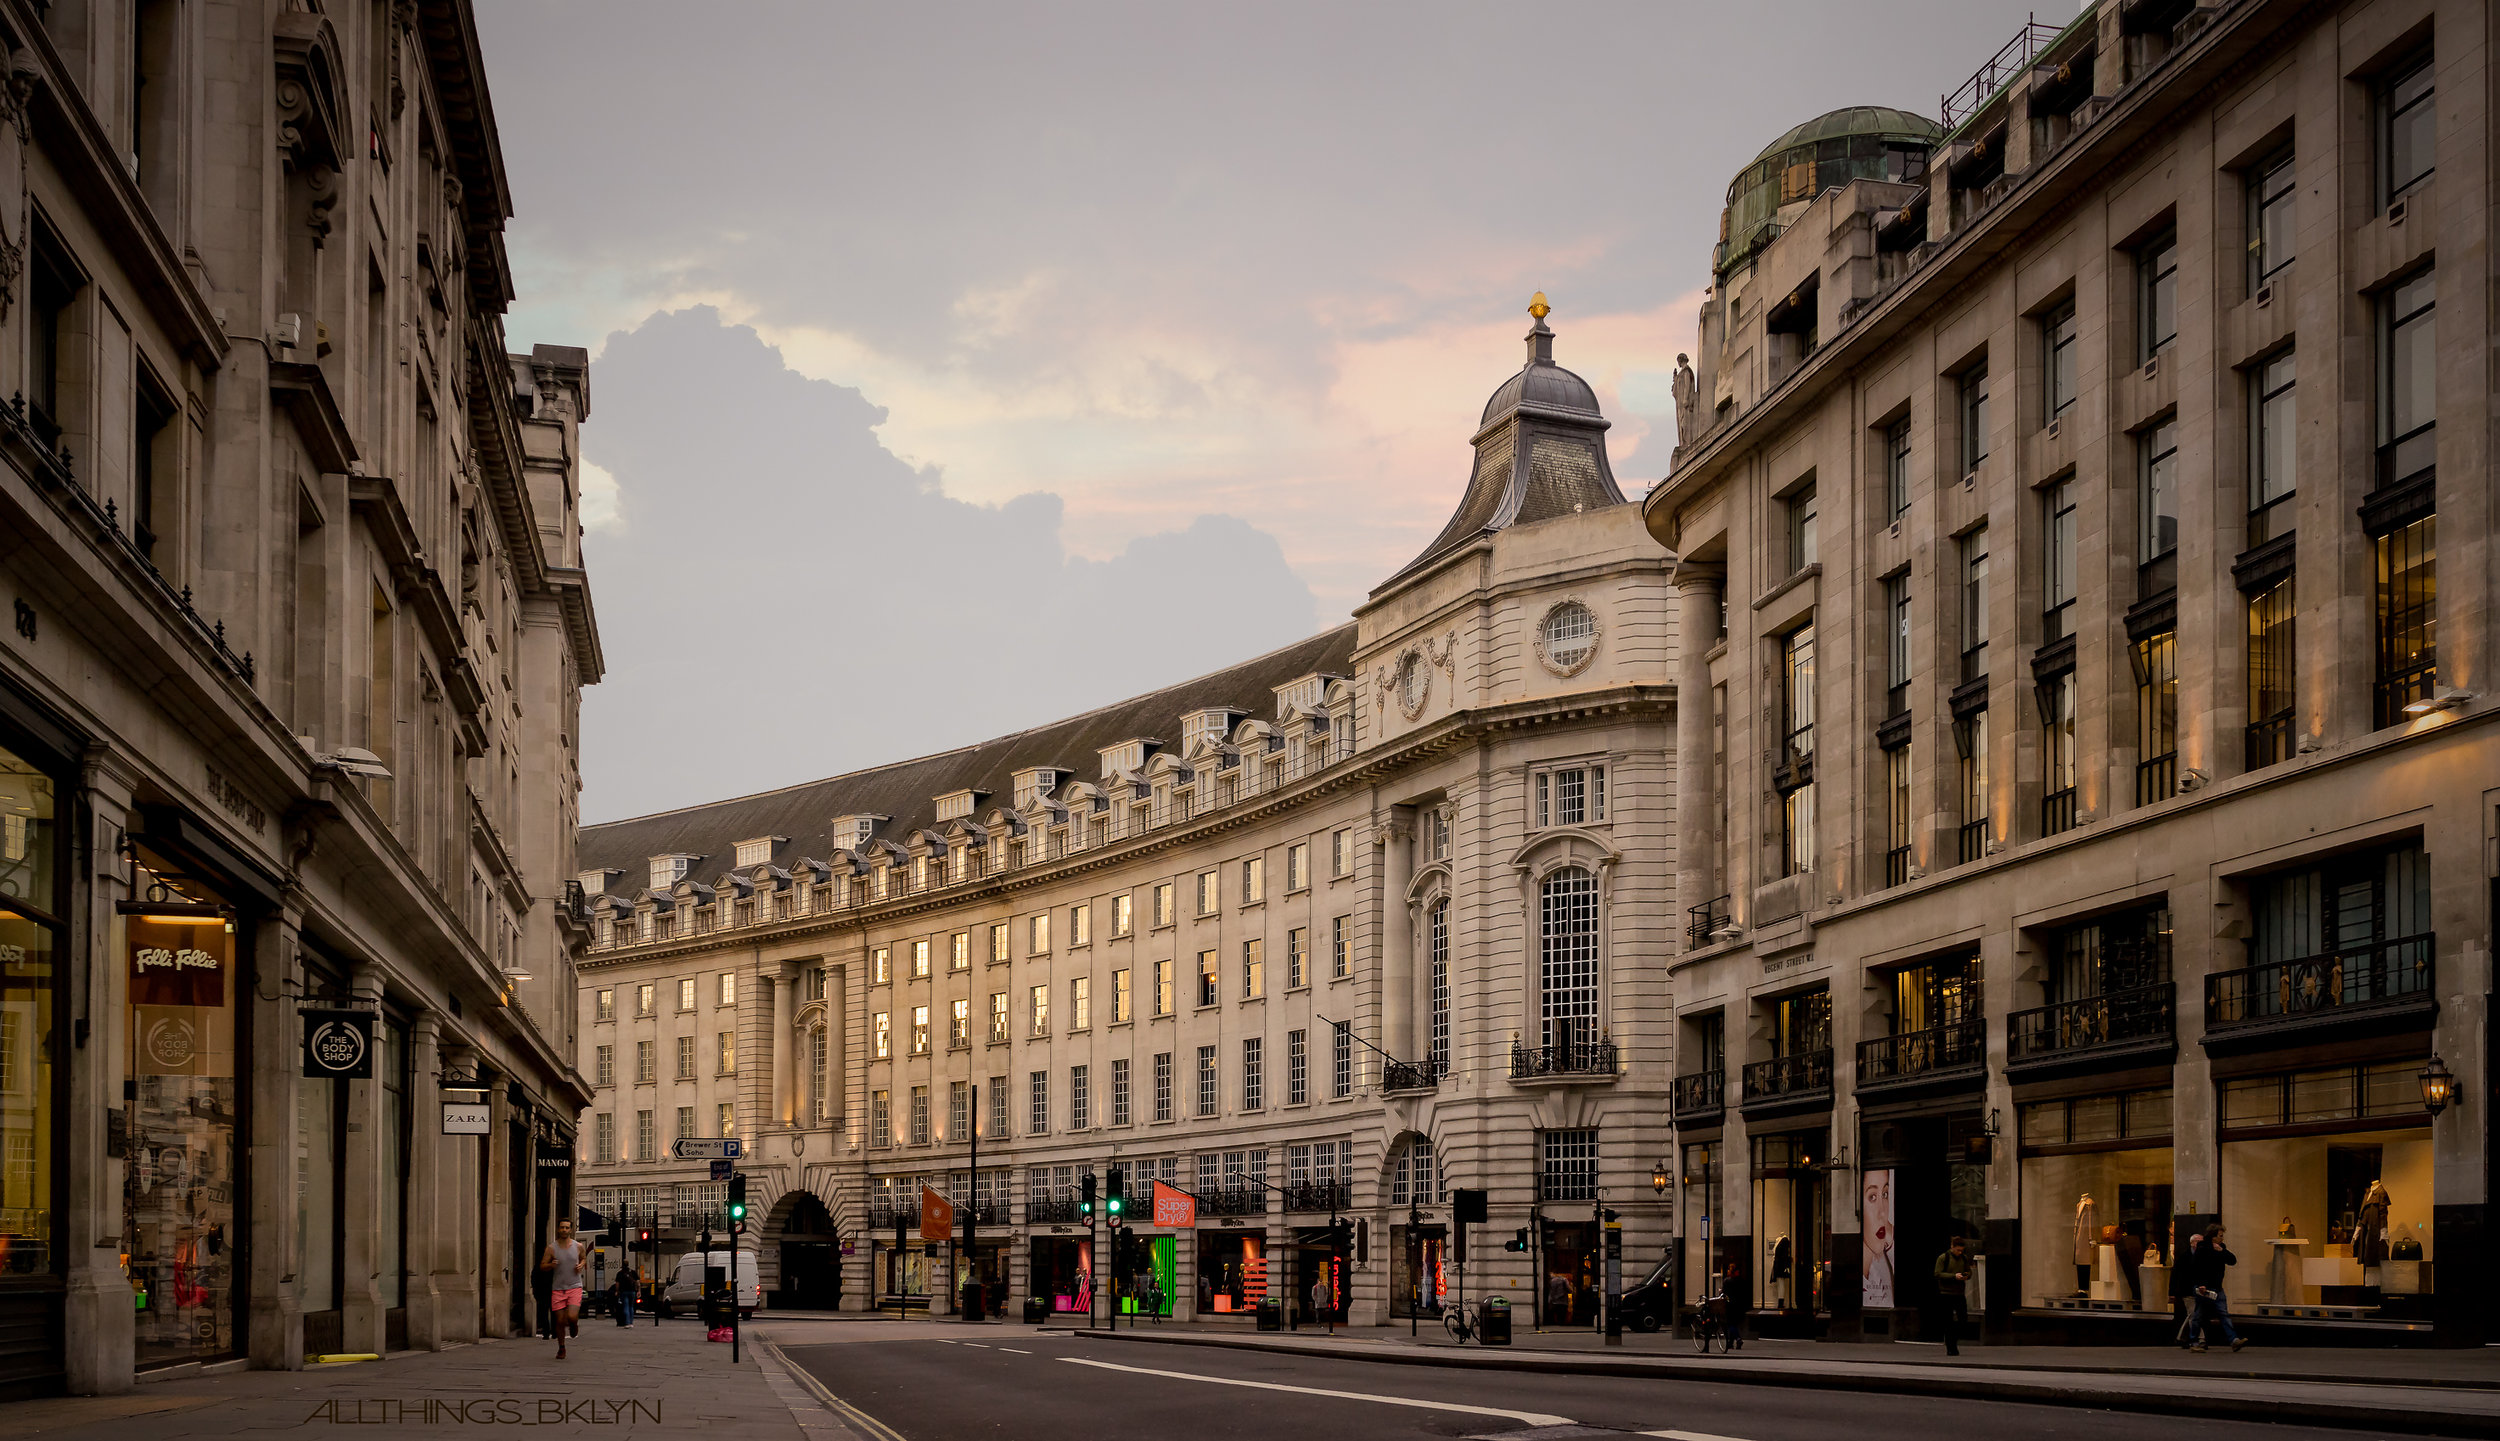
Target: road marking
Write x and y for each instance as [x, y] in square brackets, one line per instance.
[1532, 1418]
[867, 1425]
[977, 1345]
[1687, 1435]
[1013, 1349]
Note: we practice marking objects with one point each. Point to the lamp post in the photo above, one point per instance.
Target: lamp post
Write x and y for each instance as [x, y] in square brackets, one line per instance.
[1658, 1177]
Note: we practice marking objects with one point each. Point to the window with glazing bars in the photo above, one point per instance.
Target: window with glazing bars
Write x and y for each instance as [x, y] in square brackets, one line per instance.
[2157, 295]
[1119, 1091]
[1897, 839]
[1163, 1085]
[1567, 945]
[2273, 456]
[1437, 947]
[2057, 506]
[2271, 194]
[2408, 128]
[1973, 548]
[958, 1110]
[2408, 433]
[1340, 947]
[1897, 468]
[2405, 560]
[2060, 352]
[1080, 1099]
[1253, 1073]
[2057, 753]
[1971, 395]
[1037, 1110]
[2272, 674]
[998, 1105]
[920, 1115]
[1341, 1059]
[1897, 645]
[1297, 1067]
[1206, 1080]
[1297, 958]
[1970, 744]
[2157, 510]
[1570, 1166]
[2156, 662]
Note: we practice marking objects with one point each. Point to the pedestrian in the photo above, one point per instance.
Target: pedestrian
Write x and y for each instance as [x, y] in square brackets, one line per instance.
[2183, 1289]
[1953, 1270]
[562, 1266]
[625, 1283]
[2213, 1312]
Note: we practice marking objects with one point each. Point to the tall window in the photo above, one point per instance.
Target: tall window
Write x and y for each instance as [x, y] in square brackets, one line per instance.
[1437, 947]
[2272, 665]
[2057, 334]
[1119, 996]
[1037, 1011]
[1208, 994]
[998, 1018]
[959, 951]
[1802, 548]
[1163, 1085]
[604, 1147]
[1080, 1099]
[1974, 587]
[1794, 777]
[2157, 295]
[1570, 1167]
[2408, 128]
[2408, 380]
[1897, 815]
[1120, 913]
[1341, 1059]
[1120, 1091]
[1163, 988]
[920, 960]
[1341, 853]
[880, 1118]
[920, 1115]
[1253, 968]
[685, 1058]
[2270, 202]
[1567, 950]
[1297, 1067]
[2057, 504]
[1037, 1103]
[1297, 958]
[1971, 394]
[2157, 509]
[2156, 662]
[1080, 925]
[1254, 880]
[2273, 473]
[1080, 1003]
[1253, 1073]
[1298, 866]
[920, 1030]
[1340, 947]
[1162, 912]
[958, 1110]
[2057, 753]
[1897, 468]
[998, 941]
[1206, 1080]
[646, 1137]
[998, 1105]
[2406, 563]
[1897, 644]
[1970, 744]
[959, 1022]
[1207, 891]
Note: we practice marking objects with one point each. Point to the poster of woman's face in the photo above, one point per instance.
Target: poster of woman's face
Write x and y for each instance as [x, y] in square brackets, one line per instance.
[1875, 1197]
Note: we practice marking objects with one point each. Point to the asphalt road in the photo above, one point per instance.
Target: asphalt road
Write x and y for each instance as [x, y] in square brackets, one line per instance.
[1014, 1384]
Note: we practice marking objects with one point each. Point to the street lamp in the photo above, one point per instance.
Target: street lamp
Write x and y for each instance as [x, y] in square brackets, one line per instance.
[1658, 1177]
[2439, 1086]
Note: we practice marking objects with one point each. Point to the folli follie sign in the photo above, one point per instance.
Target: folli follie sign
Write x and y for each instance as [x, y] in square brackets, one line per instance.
[937, 1216]
[179, 977]
[1176, 1209]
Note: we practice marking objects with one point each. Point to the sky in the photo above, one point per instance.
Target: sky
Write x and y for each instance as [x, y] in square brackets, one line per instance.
[958, 367]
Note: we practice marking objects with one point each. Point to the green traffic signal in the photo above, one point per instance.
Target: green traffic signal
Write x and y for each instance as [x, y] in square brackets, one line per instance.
[1114, 1205]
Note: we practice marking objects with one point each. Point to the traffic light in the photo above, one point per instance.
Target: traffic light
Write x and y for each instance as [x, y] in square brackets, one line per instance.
[1518, 1240]
[1114, 1199]
[643, 1237]
[737, 1197]
[1085, 1196]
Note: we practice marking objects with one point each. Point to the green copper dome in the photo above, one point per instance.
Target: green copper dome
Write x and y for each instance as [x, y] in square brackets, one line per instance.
[1862, 142]
[1856, 120]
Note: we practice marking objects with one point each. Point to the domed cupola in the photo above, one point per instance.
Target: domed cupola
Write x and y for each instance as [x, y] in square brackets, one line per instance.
[1540, 452]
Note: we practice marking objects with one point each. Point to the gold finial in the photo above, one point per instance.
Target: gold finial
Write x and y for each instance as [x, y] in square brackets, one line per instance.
[1537, 306]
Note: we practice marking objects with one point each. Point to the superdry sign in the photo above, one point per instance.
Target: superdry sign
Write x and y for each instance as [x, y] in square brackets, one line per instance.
[338, 1044]
[1174, 1208]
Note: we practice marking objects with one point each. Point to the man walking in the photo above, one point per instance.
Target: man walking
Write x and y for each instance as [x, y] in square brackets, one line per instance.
[2213, 1313]
[1952, 1272]
[625, 1284]
[2183, 1289]
[563, 1264]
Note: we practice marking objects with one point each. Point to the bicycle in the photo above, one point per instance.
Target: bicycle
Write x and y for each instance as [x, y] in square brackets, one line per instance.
[1461, 1327]
[1711, 1322]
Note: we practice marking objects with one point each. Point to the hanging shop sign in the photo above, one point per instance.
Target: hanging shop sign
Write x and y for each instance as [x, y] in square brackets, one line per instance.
[338, 1044]
[937, 1216]
[467, 1118]
[1174, 1208]
[178, 970]
[554, 1157]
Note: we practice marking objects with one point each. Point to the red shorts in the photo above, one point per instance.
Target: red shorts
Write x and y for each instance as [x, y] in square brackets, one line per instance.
[568, 1299]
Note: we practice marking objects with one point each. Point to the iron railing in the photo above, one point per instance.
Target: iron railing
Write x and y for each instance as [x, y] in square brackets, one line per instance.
[1411, 1075]
[1971, 841]
[2057, 812]
[1703, 1093]
[1897, 866]
[2120, 1019]
[1319, 1196]
[1960, 1048]
[1050, 1210]
[1572, 1058]
[2156, 779]
[2001, 68]
[883, 1216]
[1234, 1201]
[1706, 920]
[1789, 1078]
[2392, 973]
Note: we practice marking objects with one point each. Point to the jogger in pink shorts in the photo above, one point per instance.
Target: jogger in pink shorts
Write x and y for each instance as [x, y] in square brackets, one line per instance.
[564, 1258]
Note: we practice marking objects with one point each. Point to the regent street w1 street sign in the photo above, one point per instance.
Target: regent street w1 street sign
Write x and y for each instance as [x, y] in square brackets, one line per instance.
[707, 1148]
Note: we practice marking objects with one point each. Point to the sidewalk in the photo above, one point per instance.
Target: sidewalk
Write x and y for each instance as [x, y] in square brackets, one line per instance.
[2453, 1393]
[663, 1380]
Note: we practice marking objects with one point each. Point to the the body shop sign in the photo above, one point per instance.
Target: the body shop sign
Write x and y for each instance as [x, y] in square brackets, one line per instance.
[338, 1044]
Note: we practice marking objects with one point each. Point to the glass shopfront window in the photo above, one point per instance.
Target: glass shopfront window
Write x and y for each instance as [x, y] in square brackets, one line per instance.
[1420, 1282]
[1792, 1211]
[1702, 1217]
[1063, 1272]
[2097, 1201]
[2338, 1159]
[178, 1212]
[32, 910]
[1232, 1272]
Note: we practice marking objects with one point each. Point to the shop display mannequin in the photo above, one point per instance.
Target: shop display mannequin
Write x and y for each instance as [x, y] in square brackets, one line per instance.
[2369, 1237]
[1780, 1271]
[2087, 1242]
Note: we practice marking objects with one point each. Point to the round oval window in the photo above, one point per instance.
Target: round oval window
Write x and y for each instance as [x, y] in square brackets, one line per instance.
[1411, 681]
[1569, 633]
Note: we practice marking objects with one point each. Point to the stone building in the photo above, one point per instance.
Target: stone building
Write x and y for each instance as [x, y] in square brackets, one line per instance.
[2093, 515]
[1326, 934]
[287, 700]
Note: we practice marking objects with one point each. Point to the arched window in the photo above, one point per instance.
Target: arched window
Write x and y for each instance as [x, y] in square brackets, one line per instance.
[1414, 1174]
[1567, 945]
[1438, 946]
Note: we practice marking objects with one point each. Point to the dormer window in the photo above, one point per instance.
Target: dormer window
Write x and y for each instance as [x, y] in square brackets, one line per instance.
[757, 852]
[667, 871]
[1034, 783]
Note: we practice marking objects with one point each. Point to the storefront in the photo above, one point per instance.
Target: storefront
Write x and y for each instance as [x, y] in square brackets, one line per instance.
[1923, 1182]
[1792, 1227]
[1320, 1286]
[1698, 1219]
[2097, 1198]
[2326, 1189]
[185, 971]
[1063, 1271]
[1232, 1272]
[34, 909]
[1419, 1276]
[1568, 1272]
[903, 1269]
[1154, 1289]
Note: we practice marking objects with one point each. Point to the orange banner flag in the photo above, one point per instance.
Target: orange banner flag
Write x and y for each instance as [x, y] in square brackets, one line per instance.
[937, 1216]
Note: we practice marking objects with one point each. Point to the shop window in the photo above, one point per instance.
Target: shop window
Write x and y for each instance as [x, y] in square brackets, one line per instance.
[1792, 1225]
[2273, 674]
[2097, 1200]
[1702, 1220]
[2343, 1156]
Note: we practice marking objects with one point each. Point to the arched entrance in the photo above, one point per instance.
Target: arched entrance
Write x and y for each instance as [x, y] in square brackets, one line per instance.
[811, 1256]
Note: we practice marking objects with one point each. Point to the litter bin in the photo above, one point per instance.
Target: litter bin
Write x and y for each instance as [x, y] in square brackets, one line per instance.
[1495, 1327]
[1036, 1310]
[972, 1301]
[1271, 1315]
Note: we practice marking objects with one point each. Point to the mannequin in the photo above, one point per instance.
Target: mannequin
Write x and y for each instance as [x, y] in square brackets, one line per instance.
[2087, 1242]
[2369, 1237]
[1780, 1270]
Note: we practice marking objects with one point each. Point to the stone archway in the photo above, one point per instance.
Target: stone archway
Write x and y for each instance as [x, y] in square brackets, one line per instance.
[801, 1233]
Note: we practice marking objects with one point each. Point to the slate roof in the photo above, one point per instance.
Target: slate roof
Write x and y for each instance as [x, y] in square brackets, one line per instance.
[907, 791]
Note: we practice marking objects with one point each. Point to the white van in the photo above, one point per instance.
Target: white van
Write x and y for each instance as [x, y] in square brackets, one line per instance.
[685, 1286]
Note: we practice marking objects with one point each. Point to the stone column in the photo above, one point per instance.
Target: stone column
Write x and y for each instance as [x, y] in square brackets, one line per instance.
[360, 1284]
[1697, 592]
[785, 1068]
[458, 1195]
[1397, 935]
[428, 1242]
[99, 1341]
[275, 1320]
[494, 1262]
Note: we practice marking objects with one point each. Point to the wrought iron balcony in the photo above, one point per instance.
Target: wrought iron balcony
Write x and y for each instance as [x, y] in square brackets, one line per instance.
[1803, 1077]
[2321, 990]
[1053, 1210]
[1702, 1094]
[1234, 1201]
[1706, 920]
[1935, 1054]
[2141, 1019]
[1410, 1075]
[885, 1217]
[1319, 1196]
[576, 902]
[1572, 1058]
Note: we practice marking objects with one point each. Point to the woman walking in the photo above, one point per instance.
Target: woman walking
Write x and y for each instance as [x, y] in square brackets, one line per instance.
[563, 1261]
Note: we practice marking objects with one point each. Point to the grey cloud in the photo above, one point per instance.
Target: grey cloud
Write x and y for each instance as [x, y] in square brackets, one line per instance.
[786, 599]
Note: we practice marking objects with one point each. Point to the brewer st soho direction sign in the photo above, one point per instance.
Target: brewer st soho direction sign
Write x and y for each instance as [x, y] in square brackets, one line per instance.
[707, 1148]
[338, 1044]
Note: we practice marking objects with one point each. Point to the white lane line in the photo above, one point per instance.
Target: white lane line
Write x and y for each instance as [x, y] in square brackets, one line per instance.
[978, 1345]
[1013, 1350]
[1532, 1418]
[1687, 1435]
